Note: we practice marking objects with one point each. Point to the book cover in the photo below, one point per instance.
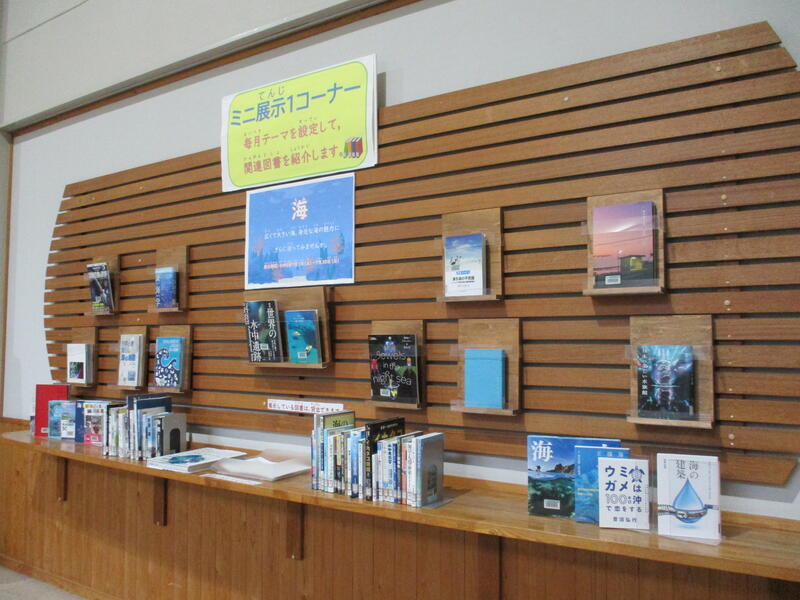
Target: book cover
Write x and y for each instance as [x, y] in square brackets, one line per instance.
[373, 433]
[324, 421]
[54, 410]
[78, 367]
[100, 288]
[465, 265]
[166, 287]
[484, 378]
[45, 392]
[62, 420]
[169, 362]
[263, 331]
[191, 460]
[587, 488]
[302, 336]
[688, 496]
[130, 360]
[394, 374]
[665, 376]
[623, 245]
[624, 500]
[92, 414]
[551, 472]
[429, 468]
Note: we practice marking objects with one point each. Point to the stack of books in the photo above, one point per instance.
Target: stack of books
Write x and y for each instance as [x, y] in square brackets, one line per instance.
[376, 462]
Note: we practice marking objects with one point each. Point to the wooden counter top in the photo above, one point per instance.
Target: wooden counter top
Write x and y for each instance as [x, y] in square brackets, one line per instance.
[499, 511]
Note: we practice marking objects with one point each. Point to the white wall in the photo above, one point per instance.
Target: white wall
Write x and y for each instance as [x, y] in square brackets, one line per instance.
[427, 48]
[62, 52]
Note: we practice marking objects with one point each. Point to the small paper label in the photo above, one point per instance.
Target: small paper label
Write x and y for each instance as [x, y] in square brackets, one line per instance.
[613, 279]
[303, 406]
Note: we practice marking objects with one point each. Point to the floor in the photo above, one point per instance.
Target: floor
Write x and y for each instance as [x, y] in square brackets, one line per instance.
[14, 586]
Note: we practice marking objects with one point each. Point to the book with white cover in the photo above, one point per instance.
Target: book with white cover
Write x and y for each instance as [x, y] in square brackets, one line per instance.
[624, 492]
[688, 496]
[191, 460]
[79, 364]
[130, 360]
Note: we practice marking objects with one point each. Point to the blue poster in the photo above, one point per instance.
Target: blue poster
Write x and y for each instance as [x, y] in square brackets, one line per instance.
[301, 234]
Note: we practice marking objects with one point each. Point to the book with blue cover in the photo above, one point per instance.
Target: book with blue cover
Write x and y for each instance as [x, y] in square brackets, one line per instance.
[586, 480]
[61, 419]
[302, 336]
[166, 287]
[484, 378]
[169, 362]
[551, 472]
[54, 411]
[465, 265]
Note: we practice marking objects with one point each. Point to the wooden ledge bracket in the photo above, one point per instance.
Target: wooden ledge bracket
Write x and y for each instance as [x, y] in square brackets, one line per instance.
[160, 501]
[295, 514]
[61, 478]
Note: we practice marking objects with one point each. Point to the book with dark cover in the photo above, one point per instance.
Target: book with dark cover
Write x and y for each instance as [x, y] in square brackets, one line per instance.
[45, 392]
[302, 336]
[665, 376]
[263, 331]
[169, 362]
[166, 287]
[100, 288]
[551, 473]
[623, 245]
[394, 374]
[373, 433]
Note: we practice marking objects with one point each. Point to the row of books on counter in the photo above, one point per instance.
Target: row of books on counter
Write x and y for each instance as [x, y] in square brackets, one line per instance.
[142, 426]
[376, 462]
[594, 480]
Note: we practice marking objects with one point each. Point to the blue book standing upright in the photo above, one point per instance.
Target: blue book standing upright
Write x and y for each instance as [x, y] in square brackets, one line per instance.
[587, 492]
[302, 336]
[166, 287]
[484, 378]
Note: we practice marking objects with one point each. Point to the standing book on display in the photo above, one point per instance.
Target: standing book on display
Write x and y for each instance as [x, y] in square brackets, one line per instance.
[484, 378]
[623, 245]
[130, 360]
[465, 265]
[373, 433]
[169, 362]
[665, 376]
[263, 331]
[100, 287]
[624, 492]
[79, 364]
[394, 375]
[587, 489]
[166, 287]
[45, 392]
[688, 496]
[302, 336]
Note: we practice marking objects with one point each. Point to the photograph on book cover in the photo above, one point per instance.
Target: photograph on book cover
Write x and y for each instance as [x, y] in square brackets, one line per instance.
[301, 234]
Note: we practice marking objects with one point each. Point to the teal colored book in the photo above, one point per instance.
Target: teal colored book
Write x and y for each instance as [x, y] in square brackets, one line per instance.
[587, 499]
[302, 336]
[551, 472]
[169, 362]
[484, 378]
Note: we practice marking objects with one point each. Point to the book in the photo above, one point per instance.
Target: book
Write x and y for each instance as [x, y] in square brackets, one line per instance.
[90, 416]
[587, 488]
[55, 417]
[302, 336]
[623, 245]
[136, 404]
[484, 378]
[262, 467]
[45, 392]
[665, 382]
[100, 288]
[394, 374]
[688, 496]
[624, 500]
[191, 460]
[79, 364]
[263, 331]
[551, 472]
[428, 470]
[465, 265]
[321, 422]
[166, 287]
[374, 432]
[131, 363]
[169, 362]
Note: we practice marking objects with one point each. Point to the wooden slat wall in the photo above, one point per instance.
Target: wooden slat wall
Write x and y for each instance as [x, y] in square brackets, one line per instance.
[219, 544]
[714, 121]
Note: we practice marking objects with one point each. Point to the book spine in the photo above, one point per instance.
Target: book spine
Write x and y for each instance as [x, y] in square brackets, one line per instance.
[366, 482]
[361, 466]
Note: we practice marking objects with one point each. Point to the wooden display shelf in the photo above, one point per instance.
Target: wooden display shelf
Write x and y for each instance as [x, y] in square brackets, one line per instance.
[676, 330]
[300, 298]
[416, 327]
[489, 222]
[769, 549]
[655, 286]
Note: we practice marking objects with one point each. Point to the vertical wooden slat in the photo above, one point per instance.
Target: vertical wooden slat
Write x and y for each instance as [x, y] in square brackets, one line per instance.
[160, 489]
[295, 516]
[62, 476]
